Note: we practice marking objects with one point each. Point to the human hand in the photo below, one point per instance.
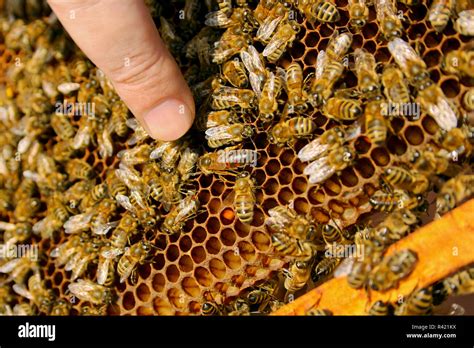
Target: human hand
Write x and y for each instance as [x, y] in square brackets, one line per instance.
[120, 37]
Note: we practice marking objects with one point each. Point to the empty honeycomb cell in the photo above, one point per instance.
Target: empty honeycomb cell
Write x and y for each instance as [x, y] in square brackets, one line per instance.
[285, 176]
[432, 58]
[325, 31]
[228, 237]
[320, 120]
[380, 156]
[271, 186]
[177, 298]
[217, 268]
[297, 50]
[362, 145]
[204, 196]
[213, 225]
[172, 273]
[58, 278]
[370, 30]
[396, 146]
[191, 287]
[429, 125]
[414, 135]
[316, 196]
[310, 57]
[349, 178]
[161, 241]
[199, 235]
[357, 41]
[258, 218]
[272, 167]
[450, 45]
[298, 166]
[332, 187]
[261, 241]
[285, 196]
[274, 151]
[162, 307]
[299, 185]
[159, 261]
[311, 39]
[198, 254]
[227, 216]
[205, 181]
[144, 311]
[259, 176]
[382, 54]
[247, 251]
[301, 206]
[416, 31]
[286, 157]
[370, 46]
[213, 246]
[214, 206]
[433, 39]
[450, 87]
[172, 253]
[242, 229]
[261, 158]
[185, 263]
[320, 215]
[217, 188]
[185, 243]
[143, 292]
[397, 124]
[232, 259]
[203, 276]
[365, 167]
[144, 270]
[128, 301]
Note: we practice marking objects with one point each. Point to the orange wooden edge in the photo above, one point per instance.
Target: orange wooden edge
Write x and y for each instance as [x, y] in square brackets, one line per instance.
[443, 246]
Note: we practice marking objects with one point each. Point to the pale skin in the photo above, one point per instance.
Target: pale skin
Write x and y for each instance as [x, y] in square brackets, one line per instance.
[120, 37]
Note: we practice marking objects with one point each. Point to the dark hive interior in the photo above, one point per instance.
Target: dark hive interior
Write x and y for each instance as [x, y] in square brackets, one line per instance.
[216, 257]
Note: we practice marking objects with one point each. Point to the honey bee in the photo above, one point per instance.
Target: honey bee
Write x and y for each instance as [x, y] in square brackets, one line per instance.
[87, 290]
[268, 103]
[328, 71]
[239, 307]
[211, 308]
[185, 210]
[398, 199]
[100, 221]
[224, 135]
[6, 202]
[368, 79]
[19, 268]
[343, 109]
[168, 153]
[297, 276]
[284, 219]
[468, 99]
[65, 251]
[457, 141]
[413, 67]
[221, 118]
[459, 62]
[429, 161]
[170, 188]
[105, 270]
[97, 193]
[325, 267]
[244, 199]
[60, 307]
[85, 254]
[397, 225]
[418, 303]
[26, 209]
[228, 97]
[439, 14]
[319, 312]
[290, 246]
[453, 192]
[211, 163]
[229, 46]
[100, 310]
[358, 13]
[74, 194]
[114, 185]
[255, 66]
[392, 269]
[338, 45]
[54, 220]
[62, 126]
[187, 162]
[63, 151]
[269, 9]
[119, 118]
[395, 89]
[139, 133]
[261, 297]
[294, 82]
[24, 309]
[387, 17]
[268, 27]
[375, 124]
[380, 308]
[322, 10]
[84, 134]
[127, 226]
[411, 181]
[36, 291]
[136, 254]
[288, 131]
[283, 38]
[234, 73]
[79, 169]
[138, 205]
[464, 23]
[435, 103]
[460, 283]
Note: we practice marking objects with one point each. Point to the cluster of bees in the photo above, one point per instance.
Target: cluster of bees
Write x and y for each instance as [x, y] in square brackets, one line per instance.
[107, 219]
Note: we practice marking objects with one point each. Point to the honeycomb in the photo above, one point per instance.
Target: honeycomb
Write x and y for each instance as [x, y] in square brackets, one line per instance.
[216, 253]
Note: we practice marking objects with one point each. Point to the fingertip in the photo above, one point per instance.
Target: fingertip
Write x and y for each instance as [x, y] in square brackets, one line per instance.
[169, 120]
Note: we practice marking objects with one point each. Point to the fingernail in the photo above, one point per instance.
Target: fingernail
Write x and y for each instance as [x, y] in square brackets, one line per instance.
[169, 120]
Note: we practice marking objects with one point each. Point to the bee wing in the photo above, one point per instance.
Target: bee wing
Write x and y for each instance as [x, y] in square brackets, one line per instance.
[106, 147]
[21, 290]
[353, 131]
[319, 170]
[82, 137]
[103, 269]
[68, 87]
[28, 174]
[220, 132]
[24, 144]
[270, 88]
[139, 199]
[128, 271]
[139, 135]
[267, 28]
[83, 290]
[442, 112]
[9, 266]
[217, 19]
[103, 229]
[40, 226]
[466, 20]
[124, 201]
[72, 262]
[321, 61]
[186, 209]
[273, 45]
[111, 253]
[128, 177]
[278, 219]
[81, 266]
[227, 94]
[402, 52]
[6, 226]
[160, 149]
[256, 84]
[77, 223]
[132, 123]
[312, 150]
[344, 267]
